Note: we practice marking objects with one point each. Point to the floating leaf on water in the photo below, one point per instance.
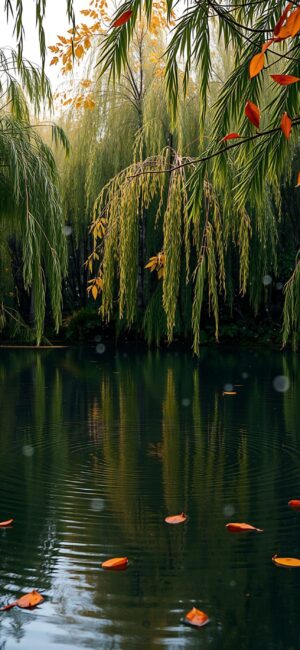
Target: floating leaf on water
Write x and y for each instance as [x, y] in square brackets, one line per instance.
[287, 562]
[295, 504]
[243, 528]
[28, 601]
[176, 519]
[115, 563]
[229, 392]
[196, 618]
[4, 524]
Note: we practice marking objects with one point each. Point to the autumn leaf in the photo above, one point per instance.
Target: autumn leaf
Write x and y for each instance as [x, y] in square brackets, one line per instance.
[243, 528]
[94, 292]
[284, 79]
[196, 617]
[123, 18]
[282, 18]
[287, 562]
[229, 392]
[286, 125]
[298, 180]
[54, 61]
[253, 113]
[176, 519]
[231, 136]
[293, 22]
[115, 563]
[79, 52]
[256, 64]
[295, 503]
[25, 602]
[4, 524]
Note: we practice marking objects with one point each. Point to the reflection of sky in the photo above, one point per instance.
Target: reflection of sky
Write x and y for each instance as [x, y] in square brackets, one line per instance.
[120, 444]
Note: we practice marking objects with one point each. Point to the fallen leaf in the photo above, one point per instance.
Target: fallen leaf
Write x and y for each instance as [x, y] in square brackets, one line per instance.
[286, 125]
[229, 392]
[256, 64]
[231, 136]
[176, 519]
[288, 562]
[4, 524]
[196, 617]
[284, 79]
[253, 113]
[123, 18]
[28, 601]
[243, 528]
[298, 180]
[282, 18]
[295, 503]
[115, 563]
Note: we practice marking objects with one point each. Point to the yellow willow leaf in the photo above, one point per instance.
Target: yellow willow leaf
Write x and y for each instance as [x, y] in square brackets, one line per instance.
[87, 43]
[63, 39]
[54, 60]
[94, 292]
[53, 48]
[79, 52]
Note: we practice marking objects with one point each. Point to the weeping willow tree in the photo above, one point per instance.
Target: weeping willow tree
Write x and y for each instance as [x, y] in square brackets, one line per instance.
[33, 252]
[203, 209]
[247, 174]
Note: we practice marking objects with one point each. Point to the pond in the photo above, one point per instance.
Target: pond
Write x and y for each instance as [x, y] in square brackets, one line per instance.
[97, 447]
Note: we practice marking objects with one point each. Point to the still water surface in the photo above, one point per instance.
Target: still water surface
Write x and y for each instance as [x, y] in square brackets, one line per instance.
[96, 449]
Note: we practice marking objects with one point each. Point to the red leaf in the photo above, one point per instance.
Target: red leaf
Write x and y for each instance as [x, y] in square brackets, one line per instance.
[116, 563]
[284, 79]
[196, 617]
[295, 503]
[4, 524]
[286, 125]
[256, 64]
[123, 18]
[253, 113]
[282, 18]
[298, 180]
[231, 136]
[243, 528]
[176, 519]
[294, 22]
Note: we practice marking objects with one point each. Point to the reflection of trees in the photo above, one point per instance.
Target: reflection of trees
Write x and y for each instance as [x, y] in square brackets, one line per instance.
[118, 431]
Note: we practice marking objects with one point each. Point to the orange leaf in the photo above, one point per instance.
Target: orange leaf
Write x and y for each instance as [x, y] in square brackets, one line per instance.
[30, 600]
[293, 22]
[176, 519]
[253, 113]
[229, 392]
[231, 136]
[295, 503]
[123, 18]
[284, 79]
[25, 602]
[288, 562]
[286, 125]
[196, 618]
[116, 563]
[4, 524]
[282, 18]
[256, 64]
[298, 180]
[243, 528]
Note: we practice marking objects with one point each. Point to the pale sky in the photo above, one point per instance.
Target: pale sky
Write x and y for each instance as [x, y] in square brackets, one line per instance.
[56, 23]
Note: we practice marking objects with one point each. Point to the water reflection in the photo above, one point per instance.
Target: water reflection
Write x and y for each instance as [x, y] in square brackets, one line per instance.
[97, 449]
